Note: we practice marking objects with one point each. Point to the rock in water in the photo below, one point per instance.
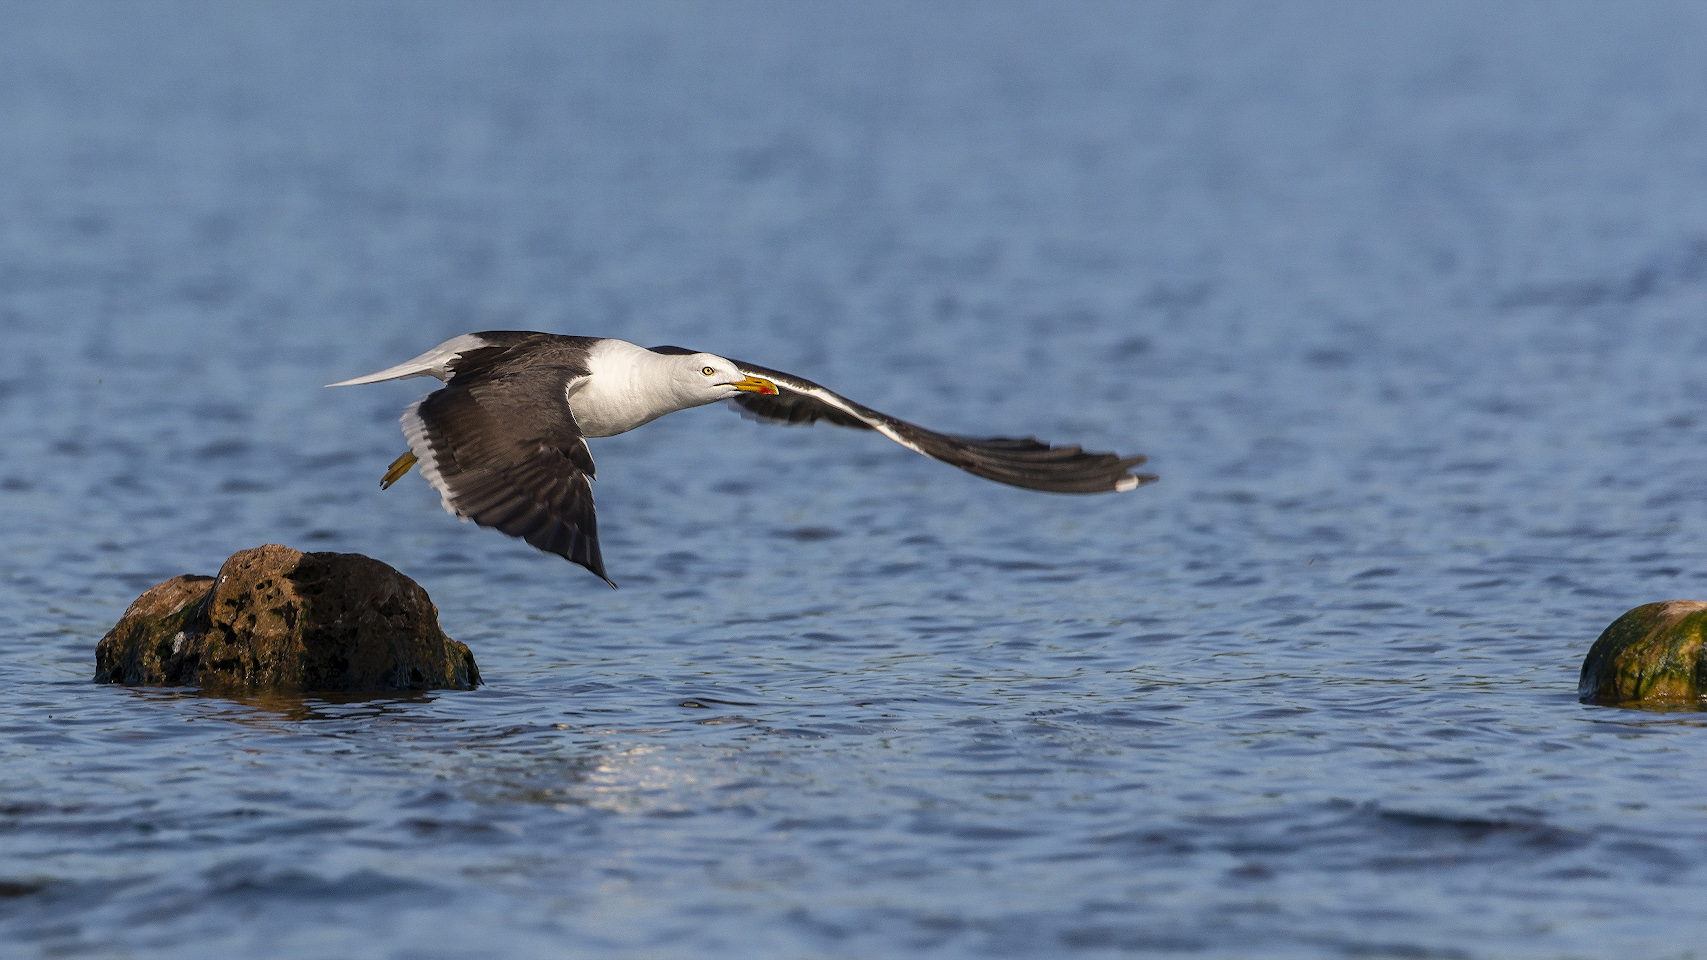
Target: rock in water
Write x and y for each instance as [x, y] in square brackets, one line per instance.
[279, 619]
[1651, 655]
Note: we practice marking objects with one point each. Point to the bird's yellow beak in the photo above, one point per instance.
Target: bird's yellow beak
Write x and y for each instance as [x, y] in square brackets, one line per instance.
[757, 385]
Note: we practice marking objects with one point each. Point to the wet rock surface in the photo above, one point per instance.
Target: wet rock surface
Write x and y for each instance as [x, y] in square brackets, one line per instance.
[1652, 655]
[279, 619]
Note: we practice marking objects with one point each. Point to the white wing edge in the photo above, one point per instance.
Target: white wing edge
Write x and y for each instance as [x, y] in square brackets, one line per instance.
[415, 431]
[843, 404]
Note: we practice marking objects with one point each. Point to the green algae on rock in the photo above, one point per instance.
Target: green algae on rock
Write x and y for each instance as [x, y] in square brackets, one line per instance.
[1652, 655]
[279, 619]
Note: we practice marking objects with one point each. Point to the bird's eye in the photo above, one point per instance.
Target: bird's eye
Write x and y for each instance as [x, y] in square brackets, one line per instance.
[707, 371]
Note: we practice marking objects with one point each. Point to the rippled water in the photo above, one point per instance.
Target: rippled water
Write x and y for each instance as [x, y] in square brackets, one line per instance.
[1405, 303]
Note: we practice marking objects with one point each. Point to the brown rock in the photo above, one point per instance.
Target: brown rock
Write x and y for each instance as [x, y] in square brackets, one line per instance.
[279, 619]
[1652, 655]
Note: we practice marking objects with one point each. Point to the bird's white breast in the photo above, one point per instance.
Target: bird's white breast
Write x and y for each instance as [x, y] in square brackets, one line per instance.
[627, 386]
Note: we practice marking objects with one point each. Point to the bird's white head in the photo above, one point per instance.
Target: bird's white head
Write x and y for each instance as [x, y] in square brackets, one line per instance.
[630, 385]
[706, 377]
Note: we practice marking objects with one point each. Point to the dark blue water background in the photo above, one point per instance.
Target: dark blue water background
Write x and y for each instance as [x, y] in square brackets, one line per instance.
[1406, 303]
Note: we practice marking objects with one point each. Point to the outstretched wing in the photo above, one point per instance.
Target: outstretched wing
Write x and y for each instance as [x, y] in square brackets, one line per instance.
[1026, 462]
[503, 450]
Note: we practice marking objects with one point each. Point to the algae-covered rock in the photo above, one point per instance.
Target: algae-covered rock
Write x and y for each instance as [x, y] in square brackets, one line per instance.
[1651, 655]
[279, 619]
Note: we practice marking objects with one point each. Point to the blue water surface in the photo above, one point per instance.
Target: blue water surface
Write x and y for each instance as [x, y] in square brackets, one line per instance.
[1405, 302]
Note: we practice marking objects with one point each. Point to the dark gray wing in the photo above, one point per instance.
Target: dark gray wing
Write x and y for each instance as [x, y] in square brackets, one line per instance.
[1026, 462]
[500, 445]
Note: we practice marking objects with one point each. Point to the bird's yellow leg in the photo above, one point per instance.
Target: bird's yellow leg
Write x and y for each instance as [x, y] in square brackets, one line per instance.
[398, 468]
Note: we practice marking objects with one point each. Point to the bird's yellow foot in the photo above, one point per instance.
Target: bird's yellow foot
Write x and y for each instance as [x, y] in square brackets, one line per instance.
[398, 468]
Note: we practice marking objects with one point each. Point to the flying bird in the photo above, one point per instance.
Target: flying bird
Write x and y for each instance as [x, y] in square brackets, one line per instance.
[504, 441]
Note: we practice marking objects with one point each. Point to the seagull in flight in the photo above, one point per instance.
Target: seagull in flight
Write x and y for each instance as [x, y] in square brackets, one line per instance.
[504, 441]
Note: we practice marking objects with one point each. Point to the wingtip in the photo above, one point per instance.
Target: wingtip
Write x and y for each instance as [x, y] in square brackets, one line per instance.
[597, 571]
[352, 382]
[1134, 481]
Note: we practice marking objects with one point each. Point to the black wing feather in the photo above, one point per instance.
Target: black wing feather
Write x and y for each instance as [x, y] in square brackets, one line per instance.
[1024, 462]
[508, 452]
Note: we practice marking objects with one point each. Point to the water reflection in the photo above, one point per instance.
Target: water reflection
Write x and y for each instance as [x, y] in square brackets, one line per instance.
[271, 707]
